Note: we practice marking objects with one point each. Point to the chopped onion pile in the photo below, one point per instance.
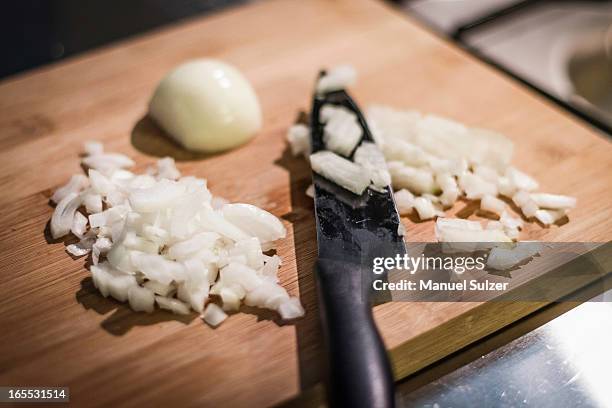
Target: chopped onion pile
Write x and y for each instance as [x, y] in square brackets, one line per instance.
[159, 238]
[430, 162]
[442, 160]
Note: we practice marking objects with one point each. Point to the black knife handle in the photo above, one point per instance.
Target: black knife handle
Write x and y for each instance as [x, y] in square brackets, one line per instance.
[360, 372]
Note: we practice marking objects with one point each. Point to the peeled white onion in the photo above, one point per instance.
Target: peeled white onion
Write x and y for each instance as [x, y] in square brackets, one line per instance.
[206, 105]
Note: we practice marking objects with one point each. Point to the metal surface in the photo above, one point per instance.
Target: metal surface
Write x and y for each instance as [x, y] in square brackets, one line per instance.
[568, 43]
[564, 363]
[561, 49]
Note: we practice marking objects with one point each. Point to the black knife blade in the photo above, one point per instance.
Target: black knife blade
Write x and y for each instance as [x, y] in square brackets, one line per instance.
[351, 231]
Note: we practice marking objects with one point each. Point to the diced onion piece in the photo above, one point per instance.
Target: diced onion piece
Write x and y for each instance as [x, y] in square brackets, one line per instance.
[553, 201]
[119, 284]
[77, 183]
[341, 171]
[451, 140]
[548, 217]
[255, 221]
[101, 277]
[505, 258]
[424, 208]
[337, 78]
[449, 197]
[486, 173]
[458, 230]
[342, 132]
[523, 200]
[101, 246]
[141, 299]
[405, 152]
[157, 267]
[162, 195]
[101, 184]
[108, 217]
[214, 315]
[77, 250]
[489, 148]
[521, 180]
[159, 288]
[404, 200]
[510, 222]
[270, 268]
[250, 249]
[138, 243]
[231, 298]
[401, 229]
[328, 111]
[194, 295]
[173, 305]
[310, 191]
[505, 186]
[417, 180]
[512, 233]
[298, 137]
[92, 202]
[238, 274]
[79, 225]
[392, 123]
[63, 216]
[189, 247]
[529, 209]
[453, 167]
[215, 221]
[446, 181]
[372, 160]
[520, 198]
[93, 147]
[458, 223]
[120, 258]
[217, 203]
[492, 204]
[475, 187]
[107, 162]
[266, 295]
[291, 309]
[142, 181]
[450, 190]
[166, 168]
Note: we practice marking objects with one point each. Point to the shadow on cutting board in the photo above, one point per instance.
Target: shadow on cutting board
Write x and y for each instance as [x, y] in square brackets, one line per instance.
[123, 318]
[150, 139]
[308, 331]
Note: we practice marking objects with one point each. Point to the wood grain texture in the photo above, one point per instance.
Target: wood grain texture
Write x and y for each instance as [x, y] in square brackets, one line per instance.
[56, 330]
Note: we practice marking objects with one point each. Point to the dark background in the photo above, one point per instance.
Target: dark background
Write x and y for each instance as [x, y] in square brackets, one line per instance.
[35, 32]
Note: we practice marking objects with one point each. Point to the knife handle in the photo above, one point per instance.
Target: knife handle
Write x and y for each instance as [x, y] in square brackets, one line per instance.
[360, 372]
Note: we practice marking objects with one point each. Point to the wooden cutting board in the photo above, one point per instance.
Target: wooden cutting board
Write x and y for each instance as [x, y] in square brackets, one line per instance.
[56, 330]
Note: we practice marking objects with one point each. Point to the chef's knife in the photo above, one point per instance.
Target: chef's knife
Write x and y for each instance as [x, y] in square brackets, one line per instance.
[351, 231]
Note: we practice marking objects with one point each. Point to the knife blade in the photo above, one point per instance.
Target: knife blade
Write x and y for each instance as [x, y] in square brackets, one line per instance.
[351, 231]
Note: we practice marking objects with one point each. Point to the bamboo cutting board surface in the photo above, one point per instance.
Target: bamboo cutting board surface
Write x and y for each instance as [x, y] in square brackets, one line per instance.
[56, 330]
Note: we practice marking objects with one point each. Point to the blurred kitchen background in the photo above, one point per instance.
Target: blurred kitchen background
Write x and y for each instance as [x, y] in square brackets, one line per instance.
[561, 49]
